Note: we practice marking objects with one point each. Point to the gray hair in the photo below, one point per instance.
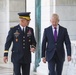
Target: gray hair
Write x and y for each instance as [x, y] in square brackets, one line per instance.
[55, 16]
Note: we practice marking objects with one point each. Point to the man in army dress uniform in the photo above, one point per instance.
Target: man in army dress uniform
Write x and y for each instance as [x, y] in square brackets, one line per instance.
[24, 43]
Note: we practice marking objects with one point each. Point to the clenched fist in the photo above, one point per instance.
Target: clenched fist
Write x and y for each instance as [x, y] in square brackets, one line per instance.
[5, 59]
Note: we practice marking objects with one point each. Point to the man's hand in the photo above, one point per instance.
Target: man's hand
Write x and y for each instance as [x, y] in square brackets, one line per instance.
[32, 50]
[5, 59]
[69, 58]
[44, 60]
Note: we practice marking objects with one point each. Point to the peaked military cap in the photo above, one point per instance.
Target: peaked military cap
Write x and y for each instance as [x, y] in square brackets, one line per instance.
[24, 15]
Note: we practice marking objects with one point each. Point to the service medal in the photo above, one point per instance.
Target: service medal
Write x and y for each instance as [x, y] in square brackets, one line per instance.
[16, 40]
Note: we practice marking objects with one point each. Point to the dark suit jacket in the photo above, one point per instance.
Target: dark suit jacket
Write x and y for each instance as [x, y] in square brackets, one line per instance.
[17, 50]
[49, 46]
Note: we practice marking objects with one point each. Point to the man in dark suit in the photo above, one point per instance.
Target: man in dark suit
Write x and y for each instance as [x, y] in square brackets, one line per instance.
[24, 43]
[53, 46]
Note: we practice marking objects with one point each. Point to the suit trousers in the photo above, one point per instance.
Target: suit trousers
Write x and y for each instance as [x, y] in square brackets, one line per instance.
[21, 69]
[55, 66]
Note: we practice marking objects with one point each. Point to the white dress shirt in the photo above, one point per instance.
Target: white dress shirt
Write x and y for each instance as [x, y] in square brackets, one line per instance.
[54, 29]
[22, 28]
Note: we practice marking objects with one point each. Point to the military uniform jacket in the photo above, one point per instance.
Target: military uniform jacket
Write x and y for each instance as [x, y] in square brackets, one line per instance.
[21, 44]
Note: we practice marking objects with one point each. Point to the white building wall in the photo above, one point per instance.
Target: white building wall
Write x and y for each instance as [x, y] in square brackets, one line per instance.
[16, 6]
[30, 7]
[46, 12]
[67, 12]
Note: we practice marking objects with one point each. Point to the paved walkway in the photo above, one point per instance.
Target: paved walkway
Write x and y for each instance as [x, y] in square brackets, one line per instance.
[7, 69]
[69, 68]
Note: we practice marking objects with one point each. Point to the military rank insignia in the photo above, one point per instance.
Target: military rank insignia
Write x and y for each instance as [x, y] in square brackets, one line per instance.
[29, 33]
[16, 35]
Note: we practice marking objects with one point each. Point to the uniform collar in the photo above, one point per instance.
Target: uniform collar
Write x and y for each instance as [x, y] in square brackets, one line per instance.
[22, 27]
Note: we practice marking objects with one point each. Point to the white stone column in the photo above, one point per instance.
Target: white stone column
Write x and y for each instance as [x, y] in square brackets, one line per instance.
[46, 12]
[30, 7]
[4, 24]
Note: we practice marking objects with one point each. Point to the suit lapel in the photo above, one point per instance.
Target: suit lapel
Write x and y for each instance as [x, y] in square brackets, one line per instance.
[26, 30]
[19, 29]
[51, 33]
[59, 32]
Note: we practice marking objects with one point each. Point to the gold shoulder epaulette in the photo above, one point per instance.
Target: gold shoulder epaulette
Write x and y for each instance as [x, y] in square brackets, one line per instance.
[12, 27]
